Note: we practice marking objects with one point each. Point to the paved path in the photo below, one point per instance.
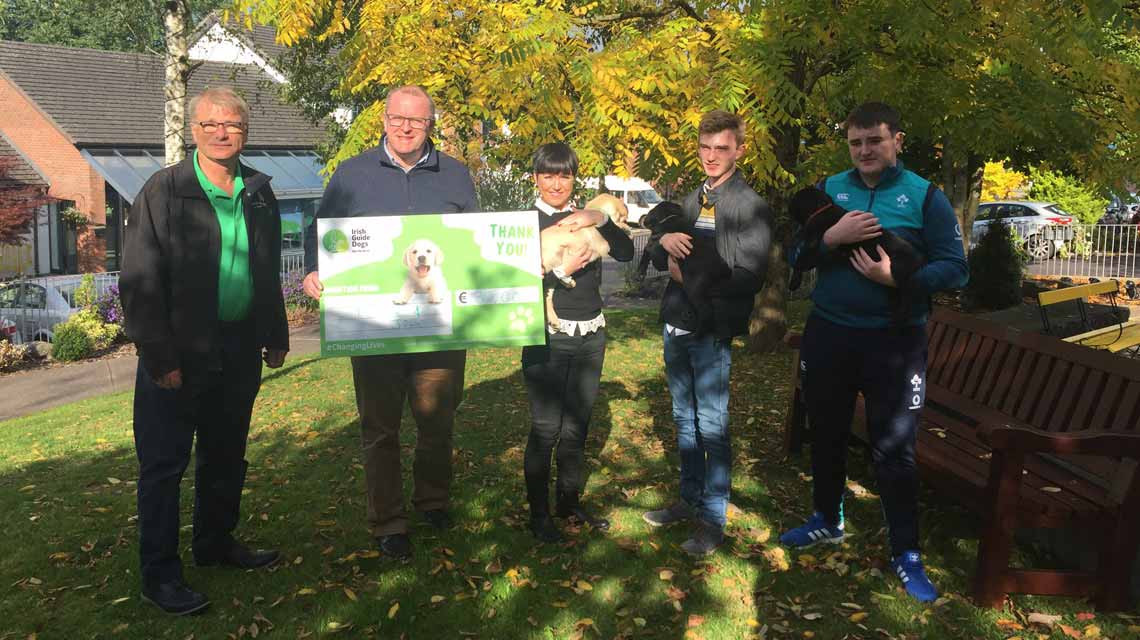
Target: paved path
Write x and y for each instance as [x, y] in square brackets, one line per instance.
[29, 392]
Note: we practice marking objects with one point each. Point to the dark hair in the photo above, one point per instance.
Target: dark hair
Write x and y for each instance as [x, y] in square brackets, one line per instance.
[717, 121]
[872, 114]
[555, 157]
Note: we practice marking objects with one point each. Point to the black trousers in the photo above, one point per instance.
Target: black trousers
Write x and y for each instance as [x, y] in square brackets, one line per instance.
[216, 404]
[889, 367]
[562, 381]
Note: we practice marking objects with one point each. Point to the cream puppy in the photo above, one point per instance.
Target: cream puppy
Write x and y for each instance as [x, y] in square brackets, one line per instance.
[422, 259]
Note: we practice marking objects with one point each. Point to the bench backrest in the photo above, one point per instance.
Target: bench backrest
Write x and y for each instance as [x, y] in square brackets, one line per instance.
[1037, 379]
[1078, 292]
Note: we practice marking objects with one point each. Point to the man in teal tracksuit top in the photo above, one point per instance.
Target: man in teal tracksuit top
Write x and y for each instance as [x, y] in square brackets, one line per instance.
[853, 342]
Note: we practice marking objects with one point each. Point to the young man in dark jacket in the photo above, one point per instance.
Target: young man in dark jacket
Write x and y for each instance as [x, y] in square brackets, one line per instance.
[404, 175]
[852, 343]
[201, 290]
[698, 356]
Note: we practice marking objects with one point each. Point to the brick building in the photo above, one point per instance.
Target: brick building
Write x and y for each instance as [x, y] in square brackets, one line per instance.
[91, 123]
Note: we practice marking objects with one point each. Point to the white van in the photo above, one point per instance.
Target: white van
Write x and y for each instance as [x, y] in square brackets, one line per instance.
[637, 194]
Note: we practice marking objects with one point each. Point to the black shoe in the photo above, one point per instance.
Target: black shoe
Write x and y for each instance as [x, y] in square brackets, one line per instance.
[544, 529]
[241, 557]
[396, 545]
[705, 539]
[439, 519]
[579, 513]
[175, 597]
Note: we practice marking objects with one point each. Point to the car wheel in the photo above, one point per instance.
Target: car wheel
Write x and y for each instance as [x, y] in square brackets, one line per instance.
[1039, 248]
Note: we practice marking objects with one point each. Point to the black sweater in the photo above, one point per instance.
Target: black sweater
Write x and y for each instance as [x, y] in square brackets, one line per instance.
[584, 301]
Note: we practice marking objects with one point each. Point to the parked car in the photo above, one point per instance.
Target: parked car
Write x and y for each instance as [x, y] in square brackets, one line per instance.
[1043, 226]
[9, 332]
[35, 308]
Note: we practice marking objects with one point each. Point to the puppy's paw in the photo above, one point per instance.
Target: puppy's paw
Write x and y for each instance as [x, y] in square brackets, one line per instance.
[569, 282]
[400, 301]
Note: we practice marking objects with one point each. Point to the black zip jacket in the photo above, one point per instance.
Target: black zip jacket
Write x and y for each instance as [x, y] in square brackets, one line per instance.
[743, 239]
[169, 279]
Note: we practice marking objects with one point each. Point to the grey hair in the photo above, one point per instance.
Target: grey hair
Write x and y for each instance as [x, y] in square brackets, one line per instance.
[415, 90]
[224, 97]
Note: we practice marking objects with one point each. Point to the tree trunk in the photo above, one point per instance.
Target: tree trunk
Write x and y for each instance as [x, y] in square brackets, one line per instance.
[176, 19]
[962, 174]
[769, 320]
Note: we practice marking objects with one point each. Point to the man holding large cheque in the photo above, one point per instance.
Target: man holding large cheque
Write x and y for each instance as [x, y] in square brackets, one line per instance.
[405, 174]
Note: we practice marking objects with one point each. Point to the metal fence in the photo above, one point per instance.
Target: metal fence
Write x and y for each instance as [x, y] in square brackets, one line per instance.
[37, 304]
[292, 262]
[1079, 250]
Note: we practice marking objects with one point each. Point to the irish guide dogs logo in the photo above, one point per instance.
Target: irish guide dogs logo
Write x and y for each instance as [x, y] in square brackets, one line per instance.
[335, 241]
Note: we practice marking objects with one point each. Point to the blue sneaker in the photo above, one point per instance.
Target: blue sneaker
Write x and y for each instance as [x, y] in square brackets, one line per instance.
[814, 531]
[908, 567]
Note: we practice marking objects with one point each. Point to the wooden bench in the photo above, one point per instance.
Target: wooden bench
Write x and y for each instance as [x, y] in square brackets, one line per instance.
[1029, 431]
[1116, 337]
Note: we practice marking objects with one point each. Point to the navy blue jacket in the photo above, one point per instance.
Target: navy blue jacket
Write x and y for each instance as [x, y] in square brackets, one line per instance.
[370, 184]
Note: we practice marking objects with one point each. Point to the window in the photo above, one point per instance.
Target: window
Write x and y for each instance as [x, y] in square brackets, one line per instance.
[8, 295]
[35, 297]
[985, 213]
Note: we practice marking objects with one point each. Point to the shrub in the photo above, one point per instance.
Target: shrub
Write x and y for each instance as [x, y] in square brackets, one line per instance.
[1071, 194]
[11, 354]
[997, 264]
[71, 342]
[82, 334]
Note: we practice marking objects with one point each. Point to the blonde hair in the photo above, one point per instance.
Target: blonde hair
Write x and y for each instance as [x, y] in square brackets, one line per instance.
[224, 97]
[414, 90]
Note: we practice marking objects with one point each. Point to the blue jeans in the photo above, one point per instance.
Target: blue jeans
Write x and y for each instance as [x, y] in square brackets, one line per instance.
[697, 368]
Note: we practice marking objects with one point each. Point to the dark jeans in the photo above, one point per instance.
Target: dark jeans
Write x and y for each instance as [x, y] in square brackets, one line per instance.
[697, 369]
[562, 381]
[216, 405]
[432, 384]
[889, 367]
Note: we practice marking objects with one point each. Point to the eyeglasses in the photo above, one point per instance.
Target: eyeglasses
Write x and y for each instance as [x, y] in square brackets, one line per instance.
[231, 127]
[415, 123]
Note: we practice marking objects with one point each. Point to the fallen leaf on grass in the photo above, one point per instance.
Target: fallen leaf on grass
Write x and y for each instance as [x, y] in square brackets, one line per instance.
[858, 616]
[585, 586]
[812, 616]
[695, 621]
[778, 559]
[1092, 631]
[1069, 631]
[1043, 618]
[438, 599]
[1010, 625]
[350, 593]
[307, 592]
[1085, 616]
[665, 575]
[393, 610]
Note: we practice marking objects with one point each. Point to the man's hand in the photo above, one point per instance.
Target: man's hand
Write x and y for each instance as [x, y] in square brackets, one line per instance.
[855, 226]
[876, 271]
[573, 262]
[171, 380]
[274, 358]
[312, 286]
[582, 218]
[675, 270]
[677, 245]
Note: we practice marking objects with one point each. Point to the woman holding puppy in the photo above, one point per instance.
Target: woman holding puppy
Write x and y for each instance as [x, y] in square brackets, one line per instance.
[562, 376]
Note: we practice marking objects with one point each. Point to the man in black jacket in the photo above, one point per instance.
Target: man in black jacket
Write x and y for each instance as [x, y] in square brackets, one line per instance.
[404, 175]
[201, 290]
[697, 356]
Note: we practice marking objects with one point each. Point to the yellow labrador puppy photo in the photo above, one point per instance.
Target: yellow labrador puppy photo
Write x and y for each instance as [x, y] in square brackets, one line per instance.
[422, 259]
[557, 241]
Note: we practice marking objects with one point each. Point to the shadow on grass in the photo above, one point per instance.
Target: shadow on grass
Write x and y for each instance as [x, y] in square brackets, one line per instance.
[66, 489]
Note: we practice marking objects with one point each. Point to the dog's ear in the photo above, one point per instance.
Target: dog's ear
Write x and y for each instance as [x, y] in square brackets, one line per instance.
[806, 202]
[438, 255]
[410, 256]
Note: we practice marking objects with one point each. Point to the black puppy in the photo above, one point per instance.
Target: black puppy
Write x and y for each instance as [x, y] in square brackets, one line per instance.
[815, 212]
[700, 270]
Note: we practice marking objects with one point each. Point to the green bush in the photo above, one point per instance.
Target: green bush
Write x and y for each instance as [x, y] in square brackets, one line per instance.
[1071, 194]
[997, 265]
[82, 334]
[71, 342]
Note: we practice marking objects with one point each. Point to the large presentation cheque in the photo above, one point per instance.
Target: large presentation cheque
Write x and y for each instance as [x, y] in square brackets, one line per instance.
[402, 284]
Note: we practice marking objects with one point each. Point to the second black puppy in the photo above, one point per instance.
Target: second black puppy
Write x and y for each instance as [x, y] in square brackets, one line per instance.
[701, 270]
[815, 212]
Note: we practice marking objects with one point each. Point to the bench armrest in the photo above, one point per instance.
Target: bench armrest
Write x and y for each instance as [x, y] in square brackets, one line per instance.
[1024, 440]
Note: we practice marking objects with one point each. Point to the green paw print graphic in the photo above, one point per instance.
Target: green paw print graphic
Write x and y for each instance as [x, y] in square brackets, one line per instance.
[520, 319]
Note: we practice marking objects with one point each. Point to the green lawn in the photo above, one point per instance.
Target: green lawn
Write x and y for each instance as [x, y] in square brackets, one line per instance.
[69, 566]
